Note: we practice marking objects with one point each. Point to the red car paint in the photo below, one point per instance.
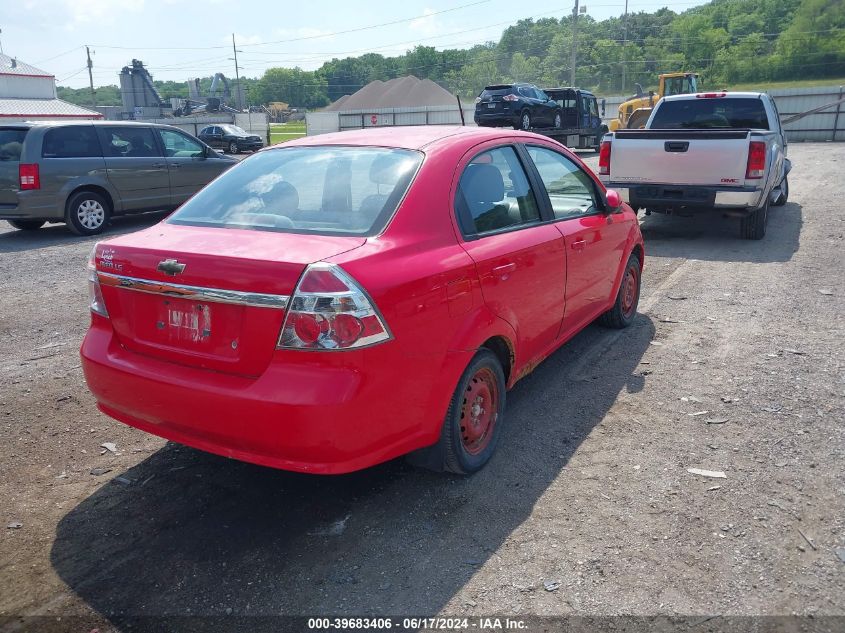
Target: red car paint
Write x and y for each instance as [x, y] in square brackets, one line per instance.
[441, 297]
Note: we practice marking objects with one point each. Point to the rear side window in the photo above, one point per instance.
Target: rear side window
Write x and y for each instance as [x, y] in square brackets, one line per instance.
[71, 142]
[130, 142]
[11, 143]
[494, 193]
[319, 190]
[712, 113]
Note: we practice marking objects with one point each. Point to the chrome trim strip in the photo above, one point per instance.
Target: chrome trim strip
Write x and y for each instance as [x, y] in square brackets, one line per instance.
[195, 293]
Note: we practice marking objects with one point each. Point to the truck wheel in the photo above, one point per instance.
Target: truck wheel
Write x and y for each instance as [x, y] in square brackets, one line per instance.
[638, 120]
[87, 213]
[784, 193]
[622, 314]
[753, 225]
[26, 225]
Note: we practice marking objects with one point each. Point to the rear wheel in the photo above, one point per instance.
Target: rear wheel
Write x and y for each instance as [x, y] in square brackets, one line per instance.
[26, 225]
[753, 225]
[87, 213]
[471, 429]
[558, 121]
[784, 193]
[622, 314]
[524, 121]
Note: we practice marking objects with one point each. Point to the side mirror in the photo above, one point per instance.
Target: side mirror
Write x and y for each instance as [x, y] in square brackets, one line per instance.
[613, 200]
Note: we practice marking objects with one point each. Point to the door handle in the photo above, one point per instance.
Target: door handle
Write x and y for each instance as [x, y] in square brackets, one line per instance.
[174, 165]
[159, 165]
[579, 245]
[504, 269]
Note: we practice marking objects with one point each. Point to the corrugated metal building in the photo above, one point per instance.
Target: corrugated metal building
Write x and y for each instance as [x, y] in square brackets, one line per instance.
[28, 93]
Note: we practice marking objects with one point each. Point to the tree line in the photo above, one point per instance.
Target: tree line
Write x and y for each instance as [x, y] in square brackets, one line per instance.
[727, 41]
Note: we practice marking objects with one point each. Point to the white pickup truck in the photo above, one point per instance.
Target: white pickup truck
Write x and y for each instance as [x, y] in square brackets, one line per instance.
[722, 151]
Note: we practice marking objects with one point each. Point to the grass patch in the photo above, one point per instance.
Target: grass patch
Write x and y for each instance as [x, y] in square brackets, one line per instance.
[281, 132]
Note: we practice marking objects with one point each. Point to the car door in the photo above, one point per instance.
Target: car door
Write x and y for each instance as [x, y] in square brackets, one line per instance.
[136, 167]
[189, 167]
[520, 260]
[596, 241]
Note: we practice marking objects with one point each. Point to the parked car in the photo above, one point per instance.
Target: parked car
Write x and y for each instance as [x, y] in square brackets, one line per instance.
[344, 299]
[522, 106]
[83, 173]
[705, 152]
[230, 138]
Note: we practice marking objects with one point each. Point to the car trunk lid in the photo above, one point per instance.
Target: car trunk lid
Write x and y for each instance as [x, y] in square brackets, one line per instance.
[211, 298]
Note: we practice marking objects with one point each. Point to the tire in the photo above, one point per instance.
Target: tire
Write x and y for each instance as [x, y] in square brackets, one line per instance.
[638, 120]
[558, 123]
[87, 213]
[753, 226]
[26, 225]
[784, 193]
[524, 122]
[233, 147]
[464, 447]
[624, 309]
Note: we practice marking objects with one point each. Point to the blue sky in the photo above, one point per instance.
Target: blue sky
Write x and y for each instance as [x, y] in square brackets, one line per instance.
[178, 40]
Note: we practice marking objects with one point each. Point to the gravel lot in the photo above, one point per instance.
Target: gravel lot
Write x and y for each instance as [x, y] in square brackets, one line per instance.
[735, 364]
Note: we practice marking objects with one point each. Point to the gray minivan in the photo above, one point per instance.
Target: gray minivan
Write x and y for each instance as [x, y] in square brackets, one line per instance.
[81, 173]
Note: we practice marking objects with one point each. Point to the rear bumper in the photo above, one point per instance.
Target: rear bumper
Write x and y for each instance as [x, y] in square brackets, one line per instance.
[667, 197]
[329, 418]
[495, 119]
[32, 205]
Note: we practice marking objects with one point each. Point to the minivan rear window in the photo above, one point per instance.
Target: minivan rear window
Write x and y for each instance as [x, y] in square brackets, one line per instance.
[11, 143]
[74, 141]
[327, 190]
[707, 113]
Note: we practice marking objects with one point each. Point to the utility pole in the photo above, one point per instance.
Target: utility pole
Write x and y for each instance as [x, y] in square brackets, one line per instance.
[624, 49]
[91, 78]
[574, 44]
[237, 76]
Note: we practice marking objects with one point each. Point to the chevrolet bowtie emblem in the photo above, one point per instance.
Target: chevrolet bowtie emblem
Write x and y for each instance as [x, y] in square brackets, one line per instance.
[170, 267]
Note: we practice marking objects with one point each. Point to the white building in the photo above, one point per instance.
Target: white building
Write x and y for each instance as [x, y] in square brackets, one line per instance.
[29, 94]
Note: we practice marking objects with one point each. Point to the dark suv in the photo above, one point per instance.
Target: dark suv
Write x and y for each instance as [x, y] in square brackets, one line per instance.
[230, 138]
[82, 173]
[521, 105]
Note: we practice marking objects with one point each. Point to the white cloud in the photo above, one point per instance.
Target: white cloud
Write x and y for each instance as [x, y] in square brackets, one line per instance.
[97, 11]
[427, 24]
[244, 39]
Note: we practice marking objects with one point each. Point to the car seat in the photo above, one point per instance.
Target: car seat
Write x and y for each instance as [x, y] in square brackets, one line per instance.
[484, 191]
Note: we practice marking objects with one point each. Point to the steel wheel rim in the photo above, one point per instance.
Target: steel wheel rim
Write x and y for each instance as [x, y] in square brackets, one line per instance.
[479, 411]
[90, 214]
[526, 121]
[629, 291]
[233, 147]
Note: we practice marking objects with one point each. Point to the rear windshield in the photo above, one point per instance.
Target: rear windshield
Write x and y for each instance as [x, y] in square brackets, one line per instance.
[11, 143]
[719, 112]
[496, 91]
[233, 129]
[325, 190]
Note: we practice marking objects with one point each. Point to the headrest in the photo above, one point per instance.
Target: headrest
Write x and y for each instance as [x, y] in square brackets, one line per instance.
[383, 170]
[282, 197]
[483, 183]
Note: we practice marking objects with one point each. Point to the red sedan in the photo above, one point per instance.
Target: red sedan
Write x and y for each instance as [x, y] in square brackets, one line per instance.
[341, 300]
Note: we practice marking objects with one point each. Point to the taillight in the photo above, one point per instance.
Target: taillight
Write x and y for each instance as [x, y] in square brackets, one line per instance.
[604, 158]
[95, 294]
[510, 98]
[29, 177]
[478, 99]
[710, 95]
[756, 160]
[330, 311]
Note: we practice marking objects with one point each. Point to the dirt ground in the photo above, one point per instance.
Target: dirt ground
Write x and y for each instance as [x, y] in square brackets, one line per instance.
[735, 364]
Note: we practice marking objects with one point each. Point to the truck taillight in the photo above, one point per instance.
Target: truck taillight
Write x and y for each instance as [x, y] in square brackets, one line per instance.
[330, 311]
[756, 160]
[29, 177]
[711, 95]
[604, 158]
[95, 293]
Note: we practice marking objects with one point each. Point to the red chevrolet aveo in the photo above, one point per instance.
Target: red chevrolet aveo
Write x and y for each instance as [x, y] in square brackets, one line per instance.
[341, 300]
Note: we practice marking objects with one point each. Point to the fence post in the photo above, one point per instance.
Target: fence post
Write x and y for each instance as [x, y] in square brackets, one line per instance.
[838, 112]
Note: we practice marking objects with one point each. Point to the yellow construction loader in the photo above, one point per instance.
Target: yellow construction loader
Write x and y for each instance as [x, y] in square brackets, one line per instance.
[634, 112]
